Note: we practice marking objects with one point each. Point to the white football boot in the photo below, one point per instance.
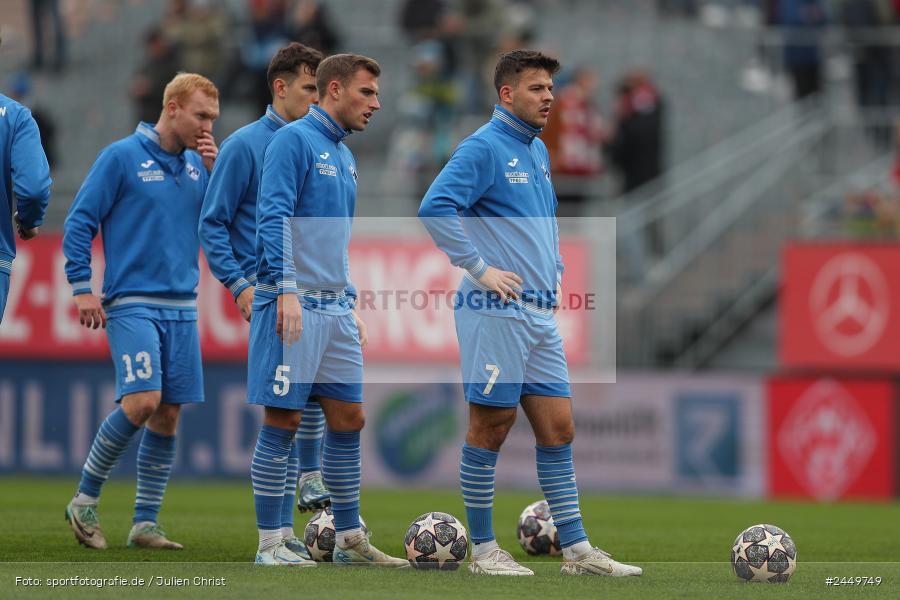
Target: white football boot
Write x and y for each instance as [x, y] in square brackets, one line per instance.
[598, 562]
[497, 562]
[364, 553]
[280, 556]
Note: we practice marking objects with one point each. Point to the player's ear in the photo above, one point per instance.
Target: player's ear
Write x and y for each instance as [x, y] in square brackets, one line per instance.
[278, 87]
[334, 89]
[505, 94]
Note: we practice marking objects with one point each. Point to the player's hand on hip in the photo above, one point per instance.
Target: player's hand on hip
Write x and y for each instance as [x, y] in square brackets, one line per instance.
[289, 323]
[245, 302]
[363, 329]
[90, 311]
[206, 147]
[505, 283]
[25, 234]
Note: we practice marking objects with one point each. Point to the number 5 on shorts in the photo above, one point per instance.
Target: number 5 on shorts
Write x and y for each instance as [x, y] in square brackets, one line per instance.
[495, 372]
[282, 383]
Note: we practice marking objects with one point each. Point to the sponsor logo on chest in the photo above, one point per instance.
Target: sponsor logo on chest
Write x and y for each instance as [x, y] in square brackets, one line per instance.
[147, 174]
[193, 172]
[515, 176]
[325, 168]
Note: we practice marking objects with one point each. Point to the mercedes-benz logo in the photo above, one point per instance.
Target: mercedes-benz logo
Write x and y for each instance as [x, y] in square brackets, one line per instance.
[849, 304]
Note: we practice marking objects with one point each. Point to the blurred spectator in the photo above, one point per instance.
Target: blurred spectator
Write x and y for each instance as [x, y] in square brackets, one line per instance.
[574, 135]
[872, 214]
[43, 11]
[268, 33]
[636, 147]
[477, 27]
[197, 30]
[804, 20]
[422, 19]
[160, 65]
[310, 24]
[423, 139]
[873, 62]
[19, 89]
[677, 8]
[895, 173]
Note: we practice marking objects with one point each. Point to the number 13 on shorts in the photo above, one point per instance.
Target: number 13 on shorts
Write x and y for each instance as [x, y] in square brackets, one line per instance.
[494, 370]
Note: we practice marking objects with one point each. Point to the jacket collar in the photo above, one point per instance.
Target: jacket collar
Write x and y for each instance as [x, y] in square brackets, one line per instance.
[150, 137]
[513, 125]
[273, 119]
[322, 121]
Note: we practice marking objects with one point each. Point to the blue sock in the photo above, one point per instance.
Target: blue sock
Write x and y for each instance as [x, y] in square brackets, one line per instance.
[290, 486]
[156, 456]
[556, 474]
[312, 427]
[476, 479]
[341, 472]
[268, 472]
[109, 445]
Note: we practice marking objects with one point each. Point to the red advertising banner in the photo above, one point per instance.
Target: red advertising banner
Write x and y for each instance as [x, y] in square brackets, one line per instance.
[404, 288]
[839, 306]
[832, 439]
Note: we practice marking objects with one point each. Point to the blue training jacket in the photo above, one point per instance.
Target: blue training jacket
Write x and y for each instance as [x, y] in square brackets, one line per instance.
[308, 180]
[228, 217]
[498, 181]
[146, 202]
[25, 174]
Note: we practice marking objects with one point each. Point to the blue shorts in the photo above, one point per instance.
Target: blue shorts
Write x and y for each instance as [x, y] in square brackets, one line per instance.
[326, 361]
[156, 354]
[505, 358]
[4, 291]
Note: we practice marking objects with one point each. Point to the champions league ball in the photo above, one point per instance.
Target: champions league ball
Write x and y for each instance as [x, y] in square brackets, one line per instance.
[436, 540]
[319, 535]
[764, 553]
[536, 530]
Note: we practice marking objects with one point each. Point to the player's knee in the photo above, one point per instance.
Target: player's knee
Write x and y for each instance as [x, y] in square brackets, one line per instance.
[490, 436]
[565, 435]
[283, 418]
[140, 407]
[165, 419]
[560, 435]
[352, 421]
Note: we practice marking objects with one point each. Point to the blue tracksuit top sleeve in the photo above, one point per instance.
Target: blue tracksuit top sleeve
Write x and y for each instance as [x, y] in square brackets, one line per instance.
[458, 186]
[93, 202]
[283, 174]
[30, 171]
[560, 267]
[228, 185]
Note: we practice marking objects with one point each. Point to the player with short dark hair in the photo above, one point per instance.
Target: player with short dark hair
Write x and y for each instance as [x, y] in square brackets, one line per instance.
[511, 352]
[26, 174]
[305, 336]
[228, 235]
[144, 193]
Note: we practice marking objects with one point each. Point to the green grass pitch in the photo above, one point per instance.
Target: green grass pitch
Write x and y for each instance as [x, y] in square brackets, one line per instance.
[683, 545]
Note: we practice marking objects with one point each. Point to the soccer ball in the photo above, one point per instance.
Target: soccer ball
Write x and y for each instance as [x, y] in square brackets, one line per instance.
[764, 553]
[436, 540]
[319, 535]
[536, 530]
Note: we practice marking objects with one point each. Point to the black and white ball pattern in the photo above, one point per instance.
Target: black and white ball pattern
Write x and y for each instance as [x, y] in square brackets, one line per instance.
[537, 532]
[319, 535]
[764, 553]
[436, 540]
